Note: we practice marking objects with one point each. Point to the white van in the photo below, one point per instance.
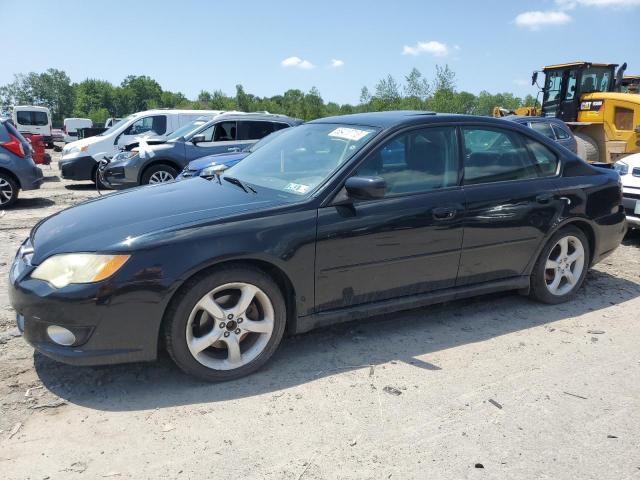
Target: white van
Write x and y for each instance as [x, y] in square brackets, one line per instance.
[71, 126]
[34, 120]
[80, 158]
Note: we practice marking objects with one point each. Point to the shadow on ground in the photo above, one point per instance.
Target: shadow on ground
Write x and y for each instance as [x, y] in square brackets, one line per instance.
[81, 186]
[28, 203]
[305, 358]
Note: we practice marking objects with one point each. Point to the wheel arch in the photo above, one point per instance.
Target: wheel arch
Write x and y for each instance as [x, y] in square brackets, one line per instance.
[276, 273]
[160, 161]
[9, 173]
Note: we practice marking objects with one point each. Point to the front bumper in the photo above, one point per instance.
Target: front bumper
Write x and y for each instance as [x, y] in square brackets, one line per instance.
[111, 323]
[79, 168]
[119, 175]
[631, 203]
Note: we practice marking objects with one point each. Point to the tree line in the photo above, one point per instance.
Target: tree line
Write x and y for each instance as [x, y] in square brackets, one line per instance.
[99, 99]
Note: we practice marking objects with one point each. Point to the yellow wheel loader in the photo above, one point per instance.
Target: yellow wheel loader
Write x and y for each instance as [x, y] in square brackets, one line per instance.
[589, 97]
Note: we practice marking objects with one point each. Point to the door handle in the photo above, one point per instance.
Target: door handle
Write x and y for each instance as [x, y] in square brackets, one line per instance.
[233, 149]
[444, 213]
[544, 198]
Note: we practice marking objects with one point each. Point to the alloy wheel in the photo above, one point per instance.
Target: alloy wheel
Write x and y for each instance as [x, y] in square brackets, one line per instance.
[6, 191]
[564, 265]
[161, 176]
[230, 326]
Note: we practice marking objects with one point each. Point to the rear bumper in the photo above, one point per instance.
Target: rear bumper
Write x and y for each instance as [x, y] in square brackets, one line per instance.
[30, 177]
[79, 168]
[609, 231]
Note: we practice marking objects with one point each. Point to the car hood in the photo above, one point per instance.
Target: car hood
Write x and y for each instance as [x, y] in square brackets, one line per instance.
[219, 159]
[128, 220]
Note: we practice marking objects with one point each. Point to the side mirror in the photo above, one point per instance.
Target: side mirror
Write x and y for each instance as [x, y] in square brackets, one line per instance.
[197, 139]
[366, 188]
[534, 78]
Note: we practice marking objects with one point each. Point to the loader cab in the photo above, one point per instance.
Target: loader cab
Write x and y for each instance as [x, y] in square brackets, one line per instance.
[565, 84]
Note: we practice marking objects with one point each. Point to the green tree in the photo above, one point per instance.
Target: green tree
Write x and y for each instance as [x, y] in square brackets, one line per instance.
[142, 92]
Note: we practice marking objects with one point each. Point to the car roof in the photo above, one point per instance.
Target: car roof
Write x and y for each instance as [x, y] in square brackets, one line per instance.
[404, 117]
[527, 118]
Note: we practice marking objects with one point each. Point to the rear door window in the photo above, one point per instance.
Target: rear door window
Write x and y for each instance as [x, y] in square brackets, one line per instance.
[495, 155]
[32, 118]
[544, 128]
[254, 130]
[561, 133]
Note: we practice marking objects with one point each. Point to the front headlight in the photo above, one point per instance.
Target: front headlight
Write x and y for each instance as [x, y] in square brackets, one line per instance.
[621, 167]
[208, 171]
[123, 156]
[65, 269]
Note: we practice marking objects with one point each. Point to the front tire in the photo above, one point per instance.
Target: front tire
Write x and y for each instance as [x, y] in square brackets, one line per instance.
[561, 266]
[159, 174]
[8, 191]
[225, 324]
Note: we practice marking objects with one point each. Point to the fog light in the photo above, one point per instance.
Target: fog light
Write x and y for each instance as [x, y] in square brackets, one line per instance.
[61, 335]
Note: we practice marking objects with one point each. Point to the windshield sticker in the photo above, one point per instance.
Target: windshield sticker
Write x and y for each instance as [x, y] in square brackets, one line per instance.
[297, 188]
[352, 134]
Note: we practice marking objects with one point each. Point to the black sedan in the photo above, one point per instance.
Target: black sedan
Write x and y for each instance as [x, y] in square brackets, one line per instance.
[338, 219]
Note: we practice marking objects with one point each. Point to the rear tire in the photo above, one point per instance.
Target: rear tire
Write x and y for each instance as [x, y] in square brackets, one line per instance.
[8, 191]
[225, 324]
[158, 174]
[561, 266]
[589, 146]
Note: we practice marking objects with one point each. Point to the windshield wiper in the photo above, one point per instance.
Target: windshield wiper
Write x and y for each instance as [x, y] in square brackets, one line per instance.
[238, 182]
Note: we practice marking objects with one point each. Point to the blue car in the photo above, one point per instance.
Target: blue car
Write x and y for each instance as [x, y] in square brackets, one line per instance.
[197, 168]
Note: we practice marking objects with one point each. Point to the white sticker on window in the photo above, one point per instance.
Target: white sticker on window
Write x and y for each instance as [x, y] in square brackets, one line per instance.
[297, 188]
[352, 134]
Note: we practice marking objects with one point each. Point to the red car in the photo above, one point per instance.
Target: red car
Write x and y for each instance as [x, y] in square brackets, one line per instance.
[39, 155]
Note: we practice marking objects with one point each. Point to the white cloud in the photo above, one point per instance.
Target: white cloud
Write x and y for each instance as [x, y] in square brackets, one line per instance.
[536, 20]
[569, 4]
[297, 62]
[437, 49]
[335, 63]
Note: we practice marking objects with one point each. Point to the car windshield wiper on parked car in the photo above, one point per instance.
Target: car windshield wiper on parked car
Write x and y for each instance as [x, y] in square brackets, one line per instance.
[238, 182]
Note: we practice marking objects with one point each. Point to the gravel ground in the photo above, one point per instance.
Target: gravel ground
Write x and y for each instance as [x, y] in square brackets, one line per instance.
[495, 387]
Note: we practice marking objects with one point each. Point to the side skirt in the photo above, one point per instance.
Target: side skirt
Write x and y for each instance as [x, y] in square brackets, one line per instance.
[330, 317]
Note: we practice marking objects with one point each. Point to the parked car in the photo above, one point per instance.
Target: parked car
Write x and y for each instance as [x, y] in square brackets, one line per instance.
[318, 226]
[36, 120]
[161, 160]
[71, 127]
[551, 127]
[629, 170]
[57, 135]
[38, 152]
[80, 158]
[203, 166]
[17, 169]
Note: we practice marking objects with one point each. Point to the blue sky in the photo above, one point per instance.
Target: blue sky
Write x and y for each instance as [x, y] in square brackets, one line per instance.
[337, 46]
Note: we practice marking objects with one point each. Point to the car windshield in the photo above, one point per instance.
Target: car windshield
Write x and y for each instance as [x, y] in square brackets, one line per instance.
[301, 158]
[115, 126]
[186, 130]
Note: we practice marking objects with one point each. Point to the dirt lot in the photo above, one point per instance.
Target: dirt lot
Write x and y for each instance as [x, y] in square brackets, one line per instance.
[497, 387]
